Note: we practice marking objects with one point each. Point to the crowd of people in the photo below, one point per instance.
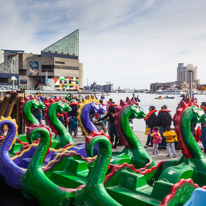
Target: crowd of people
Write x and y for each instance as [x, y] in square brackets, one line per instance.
[159, 130]
[159, 133]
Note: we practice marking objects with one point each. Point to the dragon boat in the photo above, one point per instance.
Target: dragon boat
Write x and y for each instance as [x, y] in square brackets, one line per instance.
[176, 179]
[36, 183]
[133, 153]
[25, 110]
[21, 160]
[63, 138]
[69, 97]
[85, 109]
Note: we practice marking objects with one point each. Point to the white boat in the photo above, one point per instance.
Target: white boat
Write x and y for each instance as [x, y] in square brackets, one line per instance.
[171, 91]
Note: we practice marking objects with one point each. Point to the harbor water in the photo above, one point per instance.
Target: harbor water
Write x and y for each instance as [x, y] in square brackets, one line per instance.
[148, 100]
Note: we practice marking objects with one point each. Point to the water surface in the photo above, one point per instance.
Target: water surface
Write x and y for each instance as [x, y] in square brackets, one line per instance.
[149, 99]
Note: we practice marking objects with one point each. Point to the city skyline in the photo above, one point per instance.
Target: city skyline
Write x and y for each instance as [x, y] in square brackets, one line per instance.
[130, 44]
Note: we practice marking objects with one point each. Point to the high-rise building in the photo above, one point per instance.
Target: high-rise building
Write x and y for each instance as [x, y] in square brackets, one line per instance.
[183, 74]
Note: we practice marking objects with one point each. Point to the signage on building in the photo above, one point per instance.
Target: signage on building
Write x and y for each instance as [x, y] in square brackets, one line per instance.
[33, 68]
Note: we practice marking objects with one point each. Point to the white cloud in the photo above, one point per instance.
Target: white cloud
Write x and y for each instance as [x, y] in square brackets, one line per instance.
[130, 43]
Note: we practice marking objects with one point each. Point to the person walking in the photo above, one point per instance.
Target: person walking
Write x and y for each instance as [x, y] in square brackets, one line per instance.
[164, 120]
[112, 130]
[203, 128]
[136, 99]
[170, 136]
[151, 121]
[72, 118]
[156, 139]
[38, 114]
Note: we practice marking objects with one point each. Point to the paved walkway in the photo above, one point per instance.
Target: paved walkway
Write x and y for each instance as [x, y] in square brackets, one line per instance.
[142, 137]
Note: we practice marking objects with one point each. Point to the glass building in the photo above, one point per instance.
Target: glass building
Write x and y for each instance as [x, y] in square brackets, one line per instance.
[67, 47]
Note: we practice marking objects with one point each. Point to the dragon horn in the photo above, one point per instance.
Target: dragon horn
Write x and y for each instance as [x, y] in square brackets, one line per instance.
[61, 99]
[118, 108]
[188, 101]
[56, 98]
[90, 98]
[134, 102]
[26, 98]
[84, 101]
[183, 104]
[52, 101]
[122, 103]
[128, 100]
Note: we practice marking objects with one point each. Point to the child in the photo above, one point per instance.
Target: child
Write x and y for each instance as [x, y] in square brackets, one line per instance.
[73, 126]
[156, 139]
[170, 140]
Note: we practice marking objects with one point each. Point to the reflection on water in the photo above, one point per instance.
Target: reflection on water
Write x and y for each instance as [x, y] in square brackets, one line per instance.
[149, 99]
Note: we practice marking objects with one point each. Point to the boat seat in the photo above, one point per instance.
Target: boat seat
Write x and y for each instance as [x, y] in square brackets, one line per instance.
[131, 181]
[161, 189]
[174, 174]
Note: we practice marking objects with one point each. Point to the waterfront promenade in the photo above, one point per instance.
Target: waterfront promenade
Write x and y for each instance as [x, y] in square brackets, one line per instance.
[142, 137]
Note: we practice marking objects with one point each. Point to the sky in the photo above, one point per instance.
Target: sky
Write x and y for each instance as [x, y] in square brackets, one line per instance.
[130, 43]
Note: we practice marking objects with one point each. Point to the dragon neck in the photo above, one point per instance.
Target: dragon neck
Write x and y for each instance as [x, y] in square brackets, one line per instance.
[55, 122]
[140, 156]
[10, 135]
[85, 119]
[27, 115]
[39, 156]
[98, 172]
[57, 125]
[187, 136]
[127, 131]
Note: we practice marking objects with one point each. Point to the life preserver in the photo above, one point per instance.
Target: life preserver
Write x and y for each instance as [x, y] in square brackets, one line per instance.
[46, 101]
[67, 121]
[164, 110]
[115, 105]
[60, 115]
[96, 115]
[149, 114]
[74, 103]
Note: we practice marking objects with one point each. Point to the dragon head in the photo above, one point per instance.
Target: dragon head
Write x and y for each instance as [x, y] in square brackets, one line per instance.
[97, 108]
[6, 120]
[199, 115]
[37, 104]
[32, 128]
[137, 112]
[63, 106]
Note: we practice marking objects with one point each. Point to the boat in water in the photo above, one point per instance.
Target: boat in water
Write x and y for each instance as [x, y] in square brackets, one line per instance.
[169, 91]
[160, 97]
[168, 97]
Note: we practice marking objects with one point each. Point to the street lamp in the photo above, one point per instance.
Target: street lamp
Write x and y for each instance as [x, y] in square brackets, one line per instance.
[13, 79]
[190, 69]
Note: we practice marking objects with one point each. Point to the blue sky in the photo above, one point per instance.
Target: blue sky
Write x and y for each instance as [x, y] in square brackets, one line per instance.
[130, 43]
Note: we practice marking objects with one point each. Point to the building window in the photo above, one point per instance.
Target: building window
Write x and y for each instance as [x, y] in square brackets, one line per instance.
[23, 81]
[47, 68]
[58, 62]
[66, 67]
